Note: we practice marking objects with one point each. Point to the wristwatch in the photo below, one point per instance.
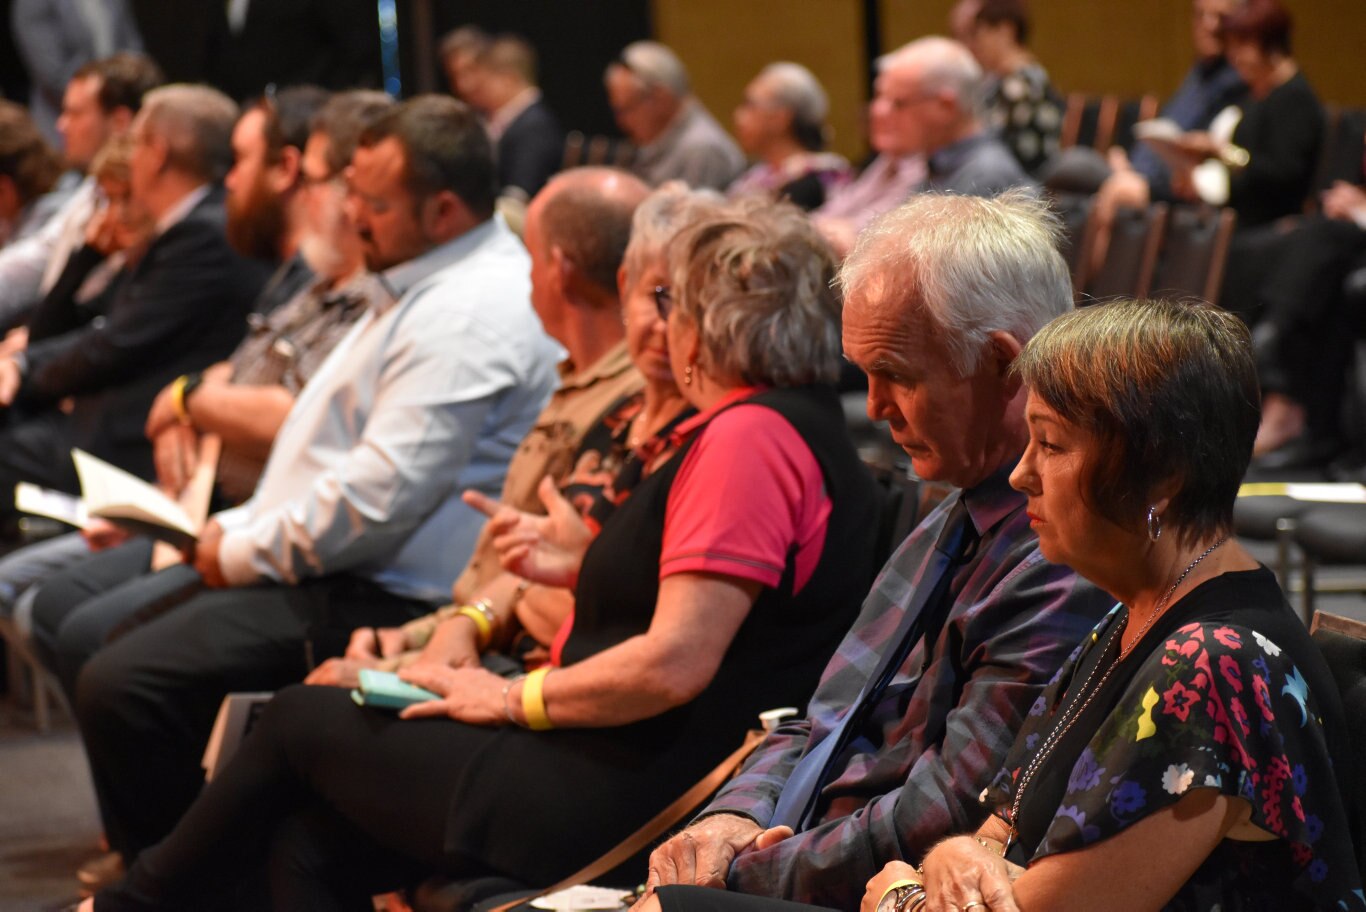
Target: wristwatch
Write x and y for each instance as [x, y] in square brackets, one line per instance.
[902, 896]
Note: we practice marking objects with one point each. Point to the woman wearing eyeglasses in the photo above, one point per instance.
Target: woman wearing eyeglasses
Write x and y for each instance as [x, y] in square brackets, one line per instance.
[716, 590]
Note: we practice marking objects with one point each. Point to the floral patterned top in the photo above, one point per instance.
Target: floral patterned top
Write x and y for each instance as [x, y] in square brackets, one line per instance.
[1233, 696]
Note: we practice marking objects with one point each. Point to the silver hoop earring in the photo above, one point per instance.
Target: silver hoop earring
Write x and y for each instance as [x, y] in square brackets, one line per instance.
[687, 375]
[1154, 524]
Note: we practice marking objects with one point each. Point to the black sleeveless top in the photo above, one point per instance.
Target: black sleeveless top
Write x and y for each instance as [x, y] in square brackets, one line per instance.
[783, 645]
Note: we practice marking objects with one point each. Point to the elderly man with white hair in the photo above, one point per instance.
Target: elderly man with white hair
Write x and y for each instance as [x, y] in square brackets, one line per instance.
[781, 123]
[926, 125]
[967, 621]
[651, 98]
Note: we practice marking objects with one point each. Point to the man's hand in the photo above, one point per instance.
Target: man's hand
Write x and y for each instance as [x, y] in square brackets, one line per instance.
[1343, 201]
[101, 534]
[365, 647]
[10, 379]
[338, 672]
[206, 555]
[162, 414]
[701, 854]
[175, 453]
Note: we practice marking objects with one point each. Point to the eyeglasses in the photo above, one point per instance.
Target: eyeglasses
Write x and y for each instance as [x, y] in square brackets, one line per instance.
[664, 301]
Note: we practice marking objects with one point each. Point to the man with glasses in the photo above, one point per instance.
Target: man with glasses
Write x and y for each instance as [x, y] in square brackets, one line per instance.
[676, 139]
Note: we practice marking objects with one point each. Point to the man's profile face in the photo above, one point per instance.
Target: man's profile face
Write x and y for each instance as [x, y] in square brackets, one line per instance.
[256, 212]
[896, 122]
[635, 106]
[386, 215]
[943, 420]
[83, 123]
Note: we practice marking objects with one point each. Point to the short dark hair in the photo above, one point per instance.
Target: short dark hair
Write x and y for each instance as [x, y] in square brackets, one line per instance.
[1168, 390]
[289, 112]
[592, 227]
[1263, 21]
[25, 157]
[1015, 12]
[342, 120]
[445, 147]
[124, 79]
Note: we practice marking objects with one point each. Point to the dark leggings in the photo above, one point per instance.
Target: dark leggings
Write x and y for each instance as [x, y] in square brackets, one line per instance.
[315, 769]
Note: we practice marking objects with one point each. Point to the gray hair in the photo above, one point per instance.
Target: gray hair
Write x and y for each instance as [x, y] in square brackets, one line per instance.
[756, 278]
[972, 266]
[797, 89]
[196, 123]
[945, 65]
[655, 65]
[660, 216]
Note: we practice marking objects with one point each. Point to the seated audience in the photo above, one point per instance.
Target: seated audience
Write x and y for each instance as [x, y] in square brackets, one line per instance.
[676, 138]
[1021, 105]
[29, 170]
[100, 102]
[1184, 757]
[781, 124]
[1211, 85]
[181, 308]
[528, 142]
[632, 430]
[356, 519]
[927, 104]
[715, 590]
[940, 296]
[244, 400]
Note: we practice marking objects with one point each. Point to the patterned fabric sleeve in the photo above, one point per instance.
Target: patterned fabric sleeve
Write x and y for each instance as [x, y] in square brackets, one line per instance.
[1217, 707]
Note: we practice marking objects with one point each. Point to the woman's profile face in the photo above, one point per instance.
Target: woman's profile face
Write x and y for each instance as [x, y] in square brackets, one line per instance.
[646, 334]
[1053, 474]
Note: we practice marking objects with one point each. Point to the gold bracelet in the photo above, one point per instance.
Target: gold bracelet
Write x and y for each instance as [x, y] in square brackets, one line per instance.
[481, 623]
[533, 700]
[988, 846]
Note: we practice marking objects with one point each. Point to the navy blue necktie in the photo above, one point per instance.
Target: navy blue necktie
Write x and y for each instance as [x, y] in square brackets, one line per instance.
[814, 770]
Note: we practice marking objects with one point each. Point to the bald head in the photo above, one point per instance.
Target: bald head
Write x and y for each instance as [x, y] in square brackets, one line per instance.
[586, 214]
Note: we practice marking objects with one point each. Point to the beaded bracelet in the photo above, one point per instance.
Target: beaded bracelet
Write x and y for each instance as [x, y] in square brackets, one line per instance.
[507, 707]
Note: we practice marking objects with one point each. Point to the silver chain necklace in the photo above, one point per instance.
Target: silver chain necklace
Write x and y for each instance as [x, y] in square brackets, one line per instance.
[1059, 731]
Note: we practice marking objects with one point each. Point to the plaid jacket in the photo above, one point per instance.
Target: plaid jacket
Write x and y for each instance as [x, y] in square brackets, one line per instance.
[941, 730]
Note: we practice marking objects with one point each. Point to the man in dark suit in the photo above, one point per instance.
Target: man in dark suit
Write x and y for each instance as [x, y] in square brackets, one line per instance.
[528, 141]
[181, 307]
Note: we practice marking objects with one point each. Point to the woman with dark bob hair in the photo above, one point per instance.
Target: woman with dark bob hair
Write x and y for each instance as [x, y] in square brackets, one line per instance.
[718, 589]
[1184, 756]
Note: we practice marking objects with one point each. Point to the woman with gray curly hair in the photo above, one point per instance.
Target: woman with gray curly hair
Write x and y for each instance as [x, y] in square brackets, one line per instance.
[718, 589]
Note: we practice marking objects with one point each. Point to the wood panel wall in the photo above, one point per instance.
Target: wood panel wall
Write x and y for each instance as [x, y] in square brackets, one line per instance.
[1122, 46]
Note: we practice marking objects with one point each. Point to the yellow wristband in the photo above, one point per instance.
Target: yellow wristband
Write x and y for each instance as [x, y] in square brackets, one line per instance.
[178, 398]
[481, 623]
[533, 700]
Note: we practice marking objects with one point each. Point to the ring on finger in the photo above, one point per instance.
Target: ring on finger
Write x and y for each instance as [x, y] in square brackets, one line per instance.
[975, 904]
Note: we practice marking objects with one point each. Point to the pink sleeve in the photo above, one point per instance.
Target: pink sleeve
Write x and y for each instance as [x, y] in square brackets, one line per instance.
[749, 494]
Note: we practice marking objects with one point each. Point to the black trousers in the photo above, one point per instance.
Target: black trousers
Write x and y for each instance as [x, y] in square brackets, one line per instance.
[146, 702]
[1305, 336]
[35, 447]
[313, 771]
